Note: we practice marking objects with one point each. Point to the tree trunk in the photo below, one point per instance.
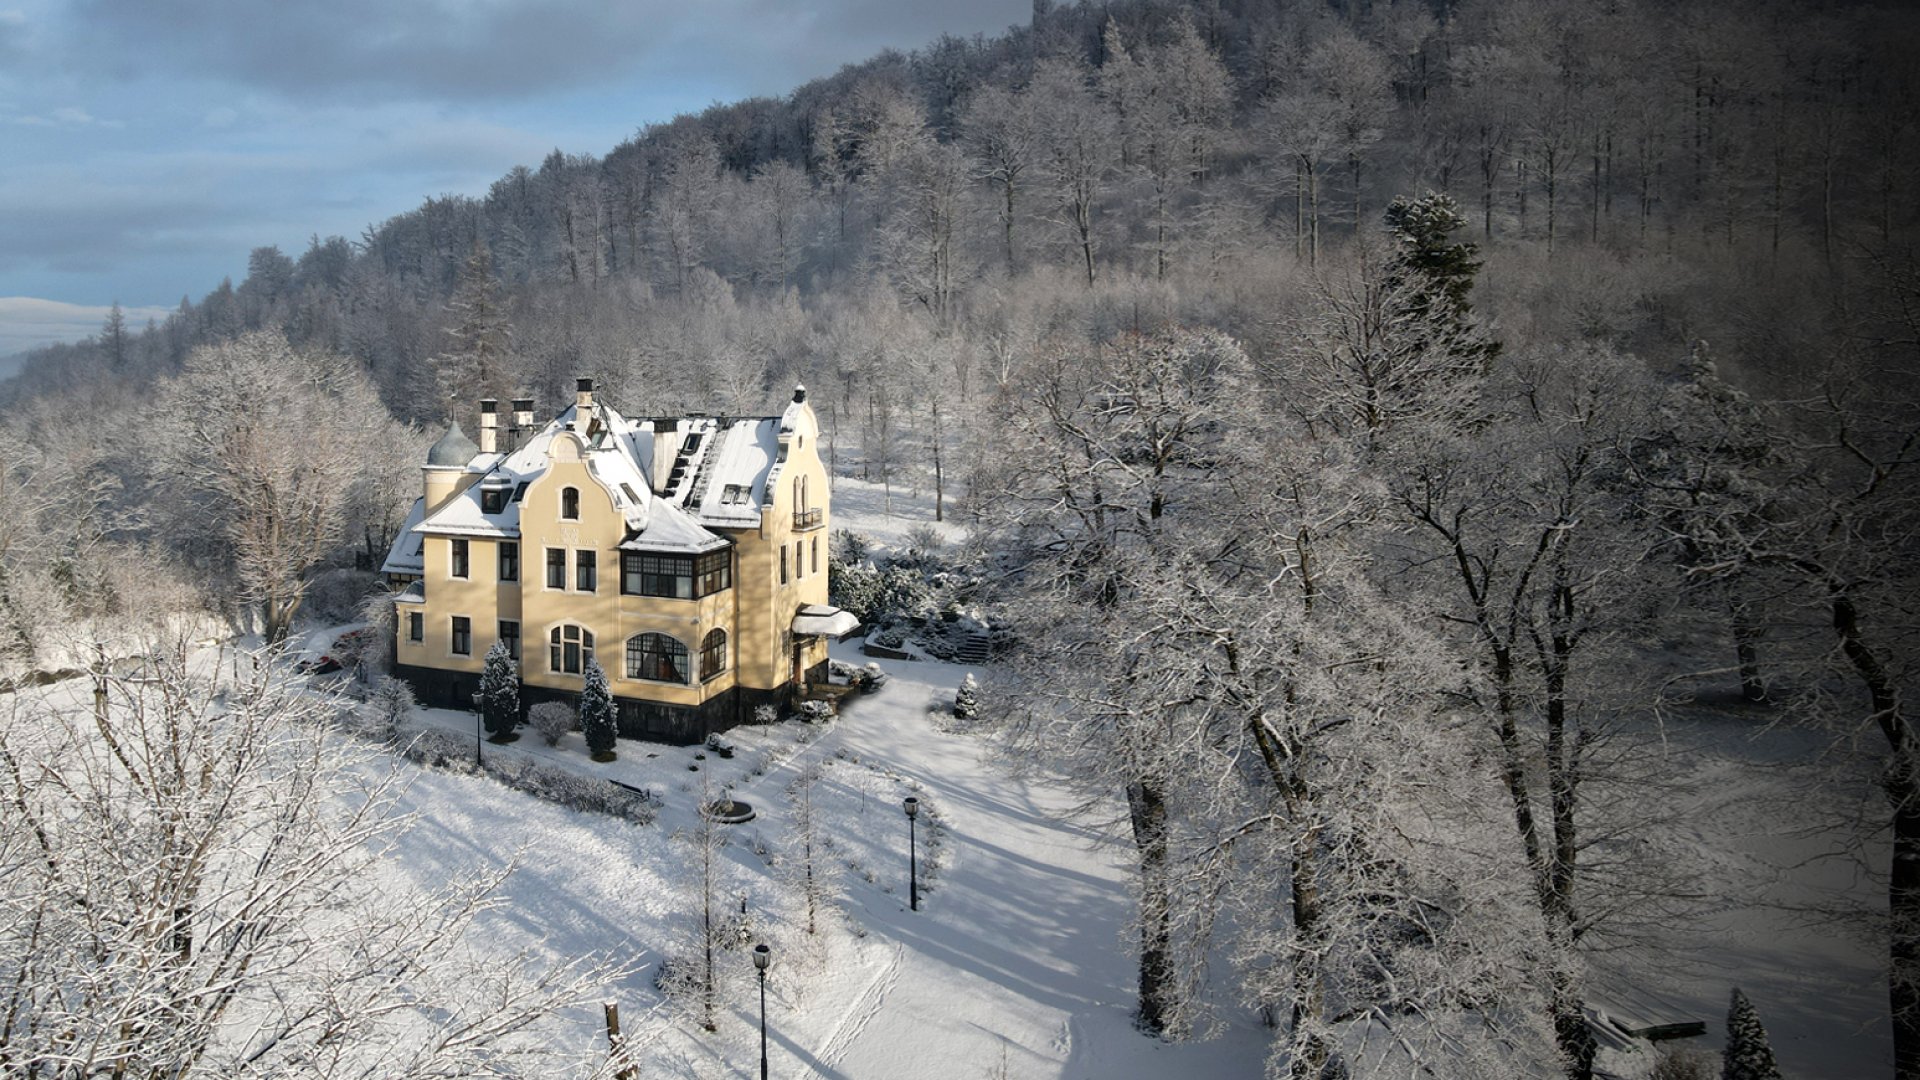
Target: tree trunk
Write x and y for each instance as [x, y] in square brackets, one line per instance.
[939, 475]
[1007, 227]
[1570, 1030]
[1147, 807]
[1310, 1049]
[1746, 637]
[1313, 216]
[1902, 784]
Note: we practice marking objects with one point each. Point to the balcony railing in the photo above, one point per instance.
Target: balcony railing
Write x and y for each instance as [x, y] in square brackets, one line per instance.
[808, 519]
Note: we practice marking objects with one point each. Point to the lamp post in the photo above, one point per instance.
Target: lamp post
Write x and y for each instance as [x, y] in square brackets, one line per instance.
[762, 959]
[912, 806]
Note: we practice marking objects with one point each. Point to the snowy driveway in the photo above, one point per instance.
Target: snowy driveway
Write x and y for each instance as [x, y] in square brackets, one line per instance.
[1020, 953]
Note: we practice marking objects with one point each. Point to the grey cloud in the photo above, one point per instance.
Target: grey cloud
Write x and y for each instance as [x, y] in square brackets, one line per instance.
[82, 237]
[370, 49]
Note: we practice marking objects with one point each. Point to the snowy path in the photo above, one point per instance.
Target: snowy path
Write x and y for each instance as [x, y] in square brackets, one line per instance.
[1019, 952]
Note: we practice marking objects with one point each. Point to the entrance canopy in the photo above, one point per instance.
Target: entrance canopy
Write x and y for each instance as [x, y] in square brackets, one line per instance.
[821, 620]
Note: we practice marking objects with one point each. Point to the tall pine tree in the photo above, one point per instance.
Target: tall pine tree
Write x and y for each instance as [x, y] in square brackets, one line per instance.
[1748, 1057]
[596, 713]
[479, 349]
[1434, 275]
[500, 693]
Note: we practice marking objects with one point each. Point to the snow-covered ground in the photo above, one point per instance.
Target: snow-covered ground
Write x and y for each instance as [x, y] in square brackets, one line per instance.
[1018, 963]
[886, 515]
[1759, 810]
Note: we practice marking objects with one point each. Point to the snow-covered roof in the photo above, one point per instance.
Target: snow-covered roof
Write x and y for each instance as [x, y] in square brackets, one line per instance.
[820, 620]
[717, 476]
[672, 529]
[404, 557]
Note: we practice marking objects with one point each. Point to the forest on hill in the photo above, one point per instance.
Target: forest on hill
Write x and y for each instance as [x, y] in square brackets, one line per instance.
[1415, 392]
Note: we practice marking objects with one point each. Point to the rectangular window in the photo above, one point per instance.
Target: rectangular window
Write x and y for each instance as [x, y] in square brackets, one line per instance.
[713, 572]
[670, 576]
[816, 554]
[586, 571]
[556, 568]
[676, 577]
[783, 564]
[509, 561]
[416, 626]
[510, 637]
[459, 563]
[462, 636]
[799, 567]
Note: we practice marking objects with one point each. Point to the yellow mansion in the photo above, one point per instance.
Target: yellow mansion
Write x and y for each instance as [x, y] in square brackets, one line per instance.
[684, 553]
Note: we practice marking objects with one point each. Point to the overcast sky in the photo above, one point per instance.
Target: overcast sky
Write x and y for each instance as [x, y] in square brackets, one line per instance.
[147, 145]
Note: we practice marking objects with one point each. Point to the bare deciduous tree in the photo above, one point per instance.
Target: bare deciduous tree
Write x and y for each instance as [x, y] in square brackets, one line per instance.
[188, 888]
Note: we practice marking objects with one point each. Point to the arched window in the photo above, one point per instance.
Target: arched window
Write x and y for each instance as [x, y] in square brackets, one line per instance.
[570, 503]
[656, 657]
[713, 654]
[569, 649]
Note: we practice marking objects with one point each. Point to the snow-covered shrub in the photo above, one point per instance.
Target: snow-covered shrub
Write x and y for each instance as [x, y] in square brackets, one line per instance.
[570, 789]
[597, 720]
[855, 587]
[966, 700]
[923, 542]
[889, 638]
[764, 714]
[1680, 1063]
[551, 719]
[846, 547]
[390, 706]
[816, 712]
[441, 749]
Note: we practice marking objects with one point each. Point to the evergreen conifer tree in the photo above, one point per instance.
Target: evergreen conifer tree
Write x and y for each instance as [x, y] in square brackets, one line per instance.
[1437, 274]
[500, 693]
[596, 713]
[966, 701]
[1747, 1057]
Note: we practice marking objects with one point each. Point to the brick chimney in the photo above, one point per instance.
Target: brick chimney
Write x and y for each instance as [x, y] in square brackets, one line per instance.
[489, 426]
